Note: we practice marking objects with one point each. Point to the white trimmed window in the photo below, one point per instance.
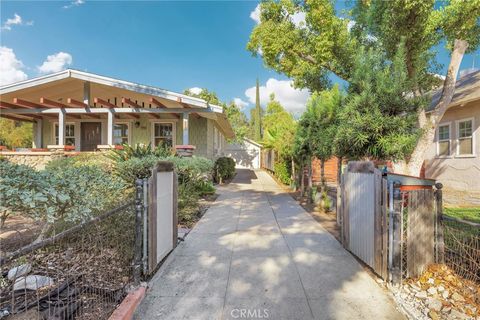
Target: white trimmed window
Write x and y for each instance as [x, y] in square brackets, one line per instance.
[465, 137]
[164, 133]
[121, 133]
[69, 134]
[444, 135]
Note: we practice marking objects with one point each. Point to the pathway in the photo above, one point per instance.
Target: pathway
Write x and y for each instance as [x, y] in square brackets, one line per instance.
[256, 254]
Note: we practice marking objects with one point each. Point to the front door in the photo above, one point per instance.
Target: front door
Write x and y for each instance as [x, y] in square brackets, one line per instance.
[91, 135]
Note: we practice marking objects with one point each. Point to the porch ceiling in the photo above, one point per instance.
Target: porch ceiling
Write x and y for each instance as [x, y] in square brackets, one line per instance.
[85, 95]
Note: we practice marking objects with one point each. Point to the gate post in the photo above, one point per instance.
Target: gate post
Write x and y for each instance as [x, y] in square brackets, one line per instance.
[137, 262]
[396, 232]
[439, 241]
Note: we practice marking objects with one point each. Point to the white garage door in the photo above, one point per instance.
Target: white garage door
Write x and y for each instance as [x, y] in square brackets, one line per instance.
[246, 154]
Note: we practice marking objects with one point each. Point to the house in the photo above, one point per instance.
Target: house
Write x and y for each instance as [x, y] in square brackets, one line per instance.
[246, 153]
[453, 158]
[78, 111]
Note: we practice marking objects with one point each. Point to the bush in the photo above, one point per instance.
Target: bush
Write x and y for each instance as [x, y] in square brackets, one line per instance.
[139, 151]
[223, 169]
[82, 159]
[63, 194]
[282, 172]
[135, 168]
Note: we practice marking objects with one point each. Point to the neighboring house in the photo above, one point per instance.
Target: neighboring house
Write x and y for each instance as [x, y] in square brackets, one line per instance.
[454, 156]
[246, 153]
[80, 111]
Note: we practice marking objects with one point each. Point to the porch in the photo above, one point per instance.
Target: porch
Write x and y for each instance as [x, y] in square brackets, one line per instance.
[77, 111]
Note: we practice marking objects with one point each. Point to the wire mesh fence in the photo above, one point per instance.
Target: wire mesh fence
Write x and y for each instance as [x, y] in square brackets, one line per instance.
[462, 247]
[79, 273]
[418, 226]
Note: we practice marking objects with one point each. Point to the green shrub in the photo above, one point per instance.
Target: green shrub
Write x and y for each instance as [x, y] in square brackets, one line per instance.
[223, 169]
[282, 172]
[135, 168]
[63, 194]
[82, 159]
[139, 151]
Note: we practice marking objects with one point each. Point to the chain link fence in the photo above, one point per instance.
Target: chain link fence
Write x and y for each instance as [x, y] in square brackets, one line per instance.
[462, 247]
[80, 273]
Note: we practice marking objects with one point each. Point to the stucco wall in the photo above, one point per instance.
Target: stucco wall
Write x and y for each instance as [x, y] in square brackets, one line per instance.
[460, 175]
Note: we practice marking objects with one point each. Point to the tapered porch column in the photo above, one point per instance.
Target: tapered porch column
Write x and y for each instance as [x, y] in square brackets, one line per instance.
[185, 129]
[61, 127]
[37, 133]
[110, 127]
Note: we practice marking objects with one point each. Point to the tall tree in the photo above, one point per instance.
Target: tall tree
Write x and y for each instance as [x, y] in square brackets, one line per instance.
[309, 50]
[257, 124]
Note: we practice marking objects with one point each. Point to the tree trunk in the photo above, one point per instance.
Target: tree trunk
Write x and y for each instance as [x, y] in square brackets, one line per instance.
[339, 190]
[310, 189]
[429, 124]
[45, 230]
[322, 175]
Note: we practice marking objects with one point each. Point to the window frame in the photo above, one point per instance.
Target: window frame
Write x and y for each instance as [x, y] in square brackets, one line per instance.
[174, 131]
[54, 137]
[450, 139]
[457, 131]
[129, 128]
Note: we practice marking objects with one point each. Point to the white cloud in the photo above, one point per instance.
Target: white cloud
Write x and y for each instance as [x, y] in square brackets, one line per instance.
[240, 103]
[15, 21]
[294, 100]
[195, 90]
[56, 62]
[10, 67]
[297, 18]
[74, 3]
[255, 14]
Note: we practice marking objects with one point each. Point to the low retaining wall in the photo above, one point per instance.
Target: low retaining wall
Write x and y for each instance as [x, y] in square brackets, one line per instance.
[37, 160]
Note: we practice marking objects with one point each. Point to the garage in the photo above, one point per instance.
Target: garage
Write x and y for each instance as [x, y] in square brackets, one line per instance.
[246, 153]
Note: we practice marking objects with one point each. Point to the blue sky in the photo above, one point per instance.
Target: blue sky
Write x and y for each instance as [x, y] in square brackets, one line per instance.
[173, 45]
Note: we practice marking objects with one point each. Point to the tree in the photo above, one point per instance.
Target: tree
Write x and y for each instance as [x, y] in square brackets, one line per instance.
[378, 120]
[14, 134]
[308, 51]
[237, 120]
[257, 119]
[209, 96]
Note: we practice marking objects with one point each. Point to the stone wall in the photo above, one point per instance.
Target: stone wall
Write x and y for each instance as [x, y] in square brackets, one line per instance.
[37, 160]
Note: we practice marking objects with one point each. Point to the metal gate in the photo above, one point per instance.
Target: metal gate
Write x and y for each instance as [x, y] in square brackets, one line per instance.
[363, 215]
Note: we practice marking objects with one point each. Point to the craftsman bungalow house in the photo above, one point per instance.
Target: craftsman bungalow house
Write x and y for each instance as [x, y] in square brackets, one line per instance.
[78, 111]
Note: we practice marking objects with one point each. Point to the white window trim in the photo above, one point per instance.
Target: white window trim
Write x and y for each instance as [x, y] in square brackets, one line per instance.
[174, 131]
[77, 141]
[129, 126]
[449, 124]
[457, 131]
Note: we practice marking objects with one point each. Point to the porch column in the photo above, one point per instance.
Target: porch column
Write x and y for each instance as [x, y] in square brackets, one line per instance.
[86, 93]
[37, 133]
[185, 129]
[110, 128]
[61, 127]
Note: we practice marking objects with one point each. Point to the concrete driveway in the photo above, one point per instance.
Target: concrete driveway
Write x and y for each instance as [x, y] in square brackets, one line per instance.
[256, 254]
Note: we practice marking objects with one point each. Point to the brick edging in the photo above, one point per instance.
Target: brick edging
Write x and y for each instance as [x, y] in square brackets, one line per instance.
[128, 306]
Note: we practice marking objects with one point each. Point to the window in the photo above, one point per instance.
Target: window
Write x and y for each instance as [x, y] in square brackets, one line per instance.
[120, 133]
[465, 137]
[443, 140]
[163, 133]
[69, 134]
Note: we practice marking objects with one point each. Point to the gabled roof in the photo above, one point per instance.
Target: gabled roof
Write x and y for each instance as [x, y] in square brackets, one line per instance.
[102, 80]
[467, 89]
